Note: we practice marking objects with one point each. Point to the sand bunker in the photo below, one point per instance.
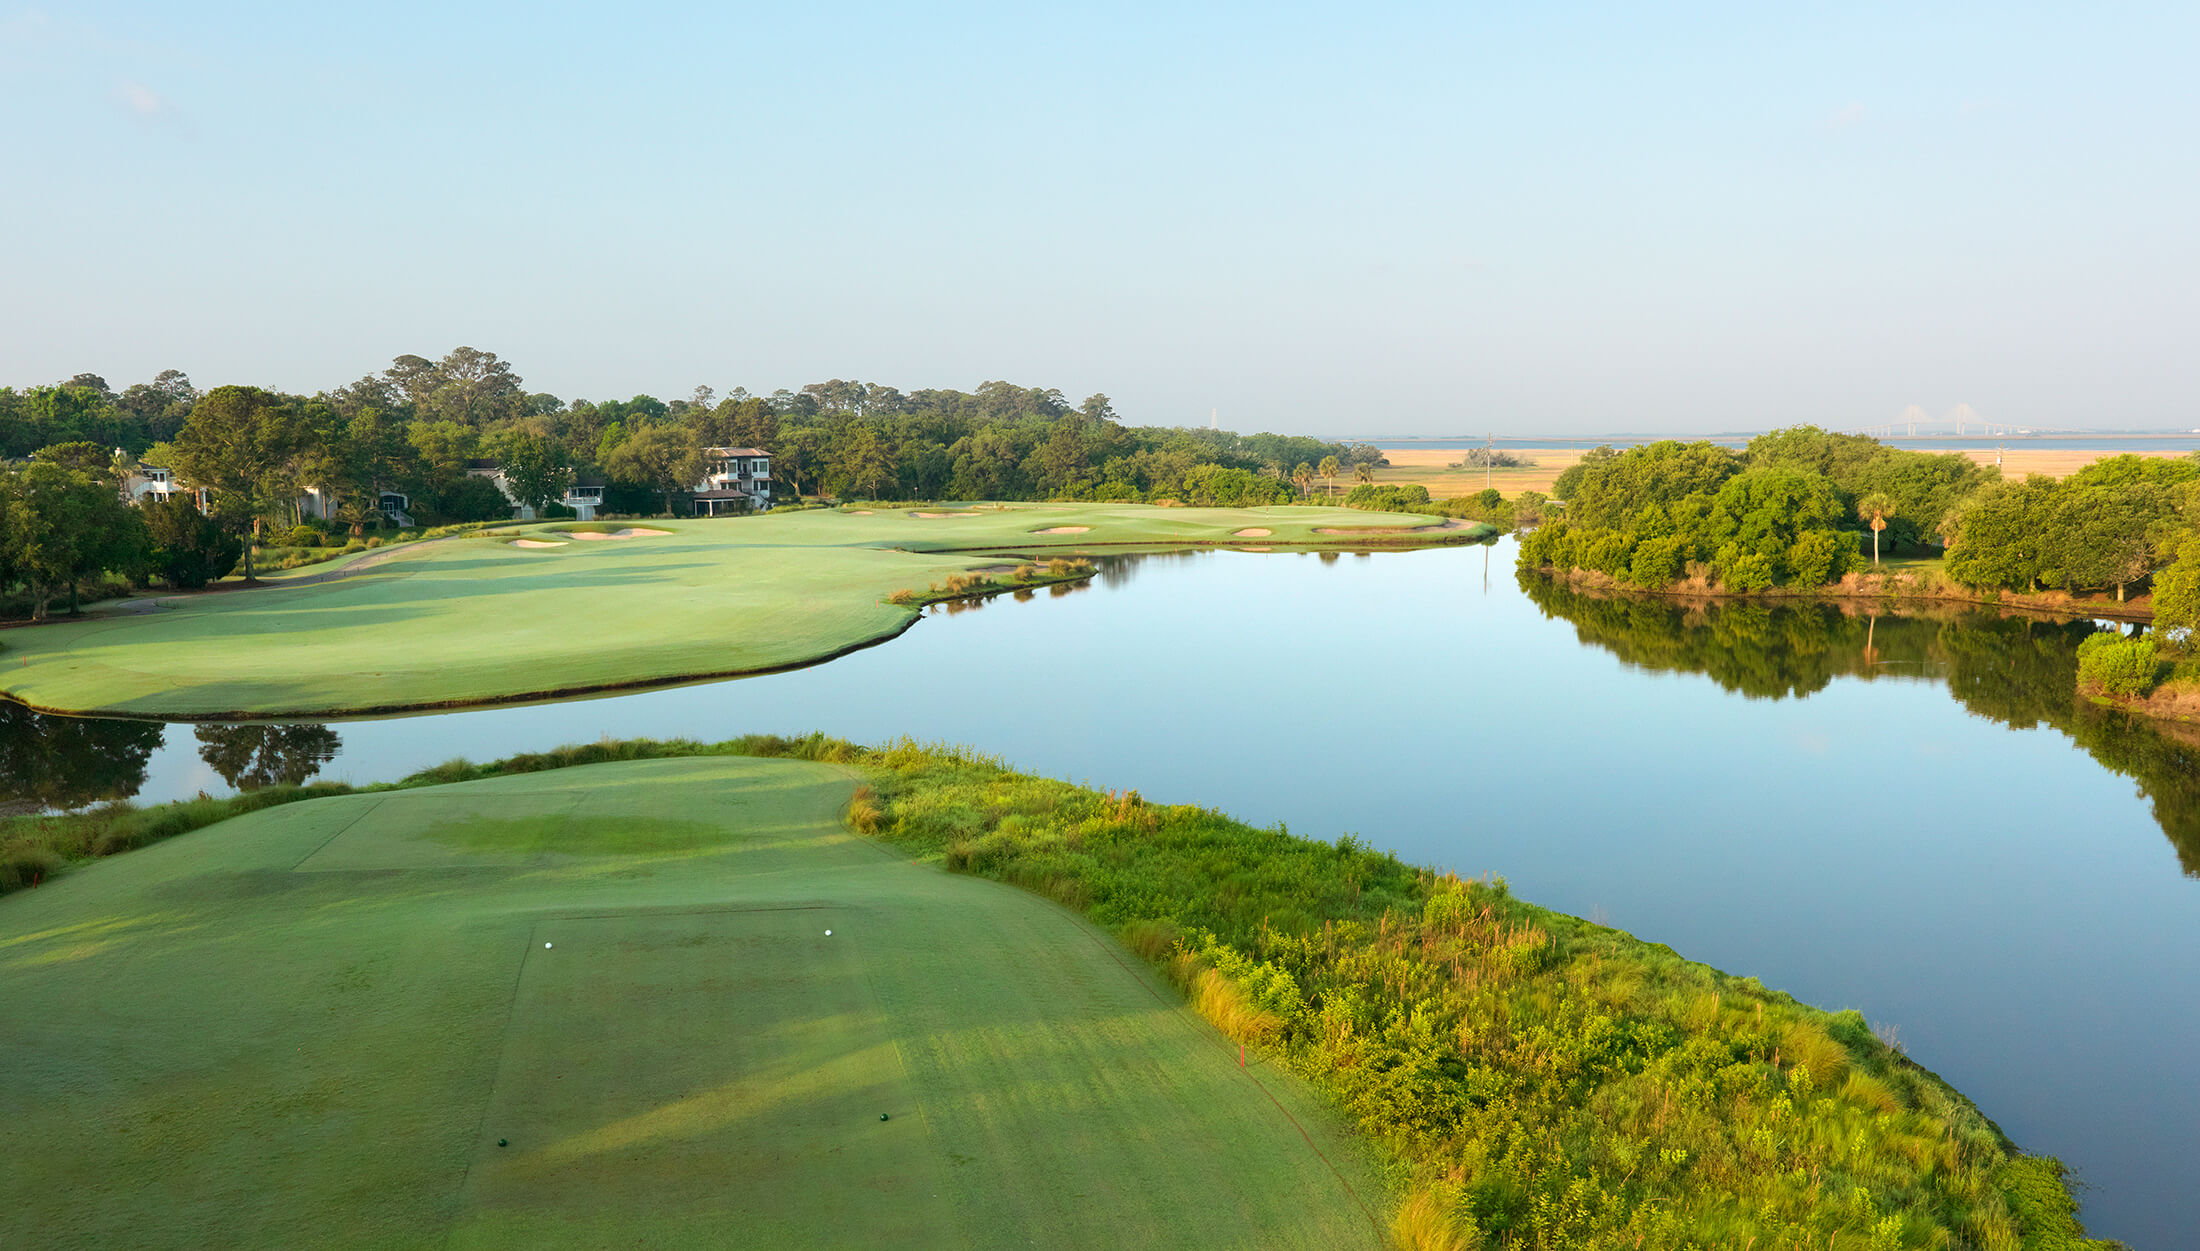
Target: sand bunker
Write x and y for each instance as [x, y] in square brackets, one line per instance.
[631, 532]
[1253, 532]
[538, 543]
[938, 516]
[1063, 530]
[859, 512]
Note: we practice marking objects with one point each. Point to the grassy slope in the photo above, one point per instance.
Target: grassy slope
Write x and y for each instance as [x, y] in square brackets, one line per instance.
[312, 1024]
[476, 620]
[1534, 1079]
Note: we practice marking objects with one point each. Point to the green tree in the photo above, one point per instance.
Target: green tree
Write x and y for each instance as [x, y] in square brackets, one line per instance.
[71, 526]
[663, 459]
[1303, 477]
[1995, 535]
[474, 388]
[1329, 469]
[242, 444]
[2098, 537]
[862, 465]
[2177, 591]
[1363, 473]
[536, 470]
[190, 549]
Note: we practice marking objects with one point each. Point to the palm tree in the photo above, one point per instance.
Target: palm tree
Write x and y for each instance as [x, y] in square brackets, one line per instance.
[1329, 471]
[1304, 477]
[1875, 508]
[1363, 473]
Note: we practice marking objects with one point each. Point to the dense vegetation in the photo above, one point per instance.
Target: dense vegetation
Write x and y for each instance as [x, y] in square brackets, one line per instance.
[2104, 527]
[1802, 507]
[1791, 509]
[413, 429]
[1532, 1079]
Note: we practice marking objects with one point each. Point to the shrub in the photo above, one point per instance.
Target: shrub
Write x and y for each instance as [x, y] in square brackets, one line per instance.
[302, 536]
[1744, 571]
[190, 549]
[1609, 552]
[1820, 556]
[1386, 499]
[1658, 561]
[2117, 665]
[904, 596]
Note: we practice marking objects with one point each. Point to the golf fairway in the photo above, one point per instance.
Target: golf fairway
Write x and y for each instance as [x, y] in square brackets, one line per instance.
[479, 620]
[314, 1024]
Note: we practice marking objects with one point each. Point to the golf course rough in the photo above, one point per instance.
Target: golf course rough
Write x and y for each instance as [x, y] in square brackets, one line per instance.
[597, 1006]
[481, 620]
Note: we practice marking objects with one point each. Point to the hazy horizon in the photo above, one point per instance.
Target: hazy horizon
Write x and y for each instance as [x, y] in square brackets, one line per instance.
[1410, 222]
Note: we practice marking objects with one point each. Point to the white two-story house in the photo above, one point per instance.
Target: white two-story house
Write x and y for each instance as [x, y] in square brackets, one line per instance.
[735, 480]
[151, 484]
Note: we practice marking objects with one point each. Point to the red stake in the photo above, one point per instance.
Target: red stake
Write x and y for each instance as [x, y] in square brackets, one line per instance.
[1241, 1055]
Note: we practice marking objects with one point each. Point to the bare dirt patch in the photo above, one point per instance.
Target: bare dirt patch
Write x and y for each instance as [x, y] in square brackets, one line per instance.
[1063, 530]
[1252, 532]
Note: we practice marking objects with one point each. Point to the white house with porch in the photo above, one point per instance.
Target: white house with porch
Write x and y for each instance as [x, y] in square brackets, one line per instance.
[735, 480]
[143, 483]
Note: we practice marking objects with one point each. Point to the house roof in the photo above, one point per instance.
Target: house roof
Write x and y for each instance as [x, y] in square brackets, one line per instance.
[480, 462]
[590, 482]
[720, 495]
[735, 451]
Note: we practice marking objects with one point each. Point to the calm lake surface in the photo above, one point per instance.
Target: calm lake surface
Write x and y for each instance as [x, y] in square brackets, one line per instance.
[1912, 817]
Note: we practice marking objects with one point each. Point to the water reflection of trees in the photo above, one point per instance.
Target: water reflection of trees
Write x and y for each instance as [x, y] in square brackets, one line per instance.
[249, 757]
[2016, 670]
[70, 762]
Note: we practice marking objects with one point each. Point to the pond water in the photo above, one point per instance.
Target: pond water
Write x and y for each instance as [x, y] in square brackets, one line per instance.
[1910, 816]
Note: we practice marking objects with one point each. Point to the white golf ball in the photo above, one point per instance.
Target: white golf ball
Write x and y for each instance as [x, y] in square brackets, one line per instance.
[546, 946]
[828, 933]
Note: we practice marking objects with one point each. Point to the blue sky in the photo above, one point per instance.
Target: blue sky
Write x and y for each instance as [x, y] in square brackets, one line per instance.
[1348, 220]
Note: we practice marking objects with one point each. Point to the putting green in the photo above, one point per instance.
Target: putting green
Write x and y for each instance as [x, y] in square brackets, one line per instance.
[469, 621]
[314, 1025]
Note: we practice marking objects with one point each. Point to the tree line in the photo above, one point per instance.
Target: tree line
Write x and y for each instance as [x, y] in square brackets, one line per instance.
[414, 428]
[1802, 507]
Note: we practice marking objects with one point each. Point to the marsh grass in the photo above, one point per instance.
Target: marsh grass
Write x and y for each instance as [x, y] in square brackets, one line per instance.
[1529, 1079]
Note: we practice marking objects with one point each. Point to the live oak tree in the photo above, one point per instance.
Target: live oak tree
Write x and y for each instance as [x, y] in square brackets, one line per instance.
[64, 526]
[243, 444]
[536, 470]
[663, 459]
